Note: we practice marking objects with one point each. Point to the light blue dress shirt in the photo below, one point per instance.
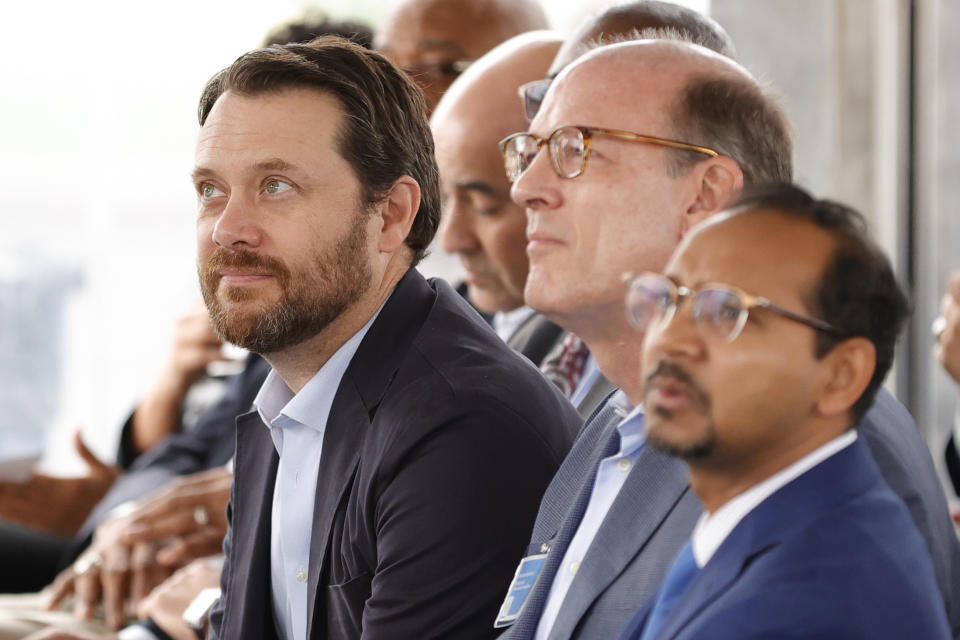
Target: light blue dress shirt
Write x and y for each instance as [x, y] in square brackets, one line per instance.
[590, 374]
[296, 424]
[611, 475]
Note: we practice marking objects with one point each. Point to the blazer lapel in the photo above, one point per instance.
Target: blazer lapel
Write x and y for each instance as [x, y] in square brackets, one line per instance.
[346, 428]
[363, 386]
[562, 510]
[657, 482]
[252, 501]
[830, 483]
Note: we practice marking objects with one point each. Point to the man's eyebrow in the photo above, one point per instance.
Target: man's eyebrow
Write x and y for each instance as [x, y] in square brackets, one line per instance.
[199, 173]
[478, 185]
[275, 164]
[449, 45]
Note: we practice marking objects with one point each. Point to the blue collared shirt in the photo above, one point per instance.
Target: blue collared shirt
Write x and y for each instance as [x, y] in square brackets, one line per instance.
[296, 424]
[590, 374]
[611, 475]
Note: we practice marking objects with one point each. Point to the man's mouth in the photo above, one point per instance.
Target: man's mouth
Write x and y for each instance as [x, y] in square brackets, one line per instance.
[670, 388]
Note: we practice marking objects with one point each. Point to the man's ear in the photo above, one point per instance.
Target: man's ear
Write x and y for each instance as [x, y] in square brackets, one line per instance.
[718, 183]
[848, 370]
[397, 211]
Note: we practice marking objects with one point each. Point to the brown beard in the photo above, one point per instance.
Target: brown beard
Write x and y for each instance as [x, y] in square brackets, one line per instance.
[310, 299]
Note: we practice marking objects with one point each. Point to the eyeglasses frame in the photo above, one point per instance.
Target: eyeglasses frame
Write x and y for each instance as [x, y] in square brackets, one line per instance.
[749, 301]
[587, 134]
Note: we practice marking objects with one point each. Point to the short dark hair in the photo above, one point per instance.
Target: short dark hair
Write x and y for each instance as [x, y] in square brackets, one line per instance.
[739, 119]
[313, 24]
[385, 133]
[857, 292]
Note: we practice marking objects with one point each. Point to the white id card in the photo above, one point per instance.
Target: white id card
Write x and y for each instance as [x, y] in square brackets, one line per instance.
[523, 581]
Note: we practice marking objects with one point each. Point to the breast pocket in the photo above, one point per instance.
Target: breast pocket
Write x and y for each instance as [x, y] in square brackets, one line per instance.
[345, 606]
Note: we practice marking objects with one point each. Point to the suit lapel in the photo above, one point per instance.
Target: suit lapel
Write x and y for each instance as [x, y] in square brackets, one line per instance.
[657, 483]
[600, 389]
[824, 487]
[534, 338]
[563, 506]
[252, 499]
[363, 386]
[338, 463]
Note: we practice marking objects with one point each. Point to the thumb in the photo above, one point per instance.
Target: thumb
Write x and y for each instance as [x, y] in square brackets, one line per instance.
[97, 466]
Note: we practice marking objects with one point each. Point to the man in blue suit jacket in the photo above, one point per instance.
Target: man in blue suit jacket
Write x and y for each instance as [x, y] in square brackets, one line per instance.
[765, 343]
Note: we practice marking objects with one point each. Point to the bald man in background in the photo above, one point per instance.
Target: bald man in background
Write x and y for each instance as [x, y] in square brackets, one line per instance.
[624, 22]
[480, 223]
[435, 40]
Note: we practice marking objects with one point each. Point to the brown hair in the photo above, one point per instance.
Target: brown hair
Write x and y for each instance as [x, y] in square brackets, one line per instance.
[737, 119]
[385, 133]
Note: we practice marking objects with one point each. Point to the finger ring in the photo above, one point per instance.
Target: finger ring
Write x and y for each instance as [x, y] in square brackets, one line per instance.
[86, 562]
[200, 516]
[938, 326]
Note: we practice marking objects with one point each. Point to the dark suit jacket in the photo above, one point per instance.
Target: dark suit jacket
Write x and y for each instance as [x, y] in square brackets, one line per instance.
[655, 512]
[438, 446]
[833, 554]
[535, 338]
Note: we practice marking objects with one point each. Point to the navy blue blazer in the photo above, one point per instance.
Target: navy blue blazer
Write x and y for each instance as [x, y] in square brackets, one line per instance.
[833, 554]
[438, 446]
[655, 512]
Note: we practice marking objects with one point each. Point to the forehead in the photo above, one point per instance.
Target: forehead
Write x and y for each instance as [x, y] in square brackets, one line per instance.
[764, 252]
[292, 122]
[451, 28]
[611, 91]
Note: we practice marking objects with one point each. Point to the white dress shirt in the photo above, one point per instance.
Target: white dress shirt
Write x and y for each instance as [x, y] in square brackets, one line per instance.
[296, 424]
[611, 475]
[713, 528]
[506, 323]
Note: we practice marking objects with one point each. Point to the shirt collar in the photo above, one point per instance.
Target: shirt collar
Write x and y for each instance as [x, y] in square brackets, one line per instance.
[506, 323]
[713, 528]
[278, 405]
[631, 423]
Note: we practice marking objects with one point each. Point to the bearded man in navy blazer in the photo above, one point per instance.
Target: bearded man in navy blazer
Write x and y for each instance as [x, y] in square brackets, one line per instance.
[766, 341]
[386, 481]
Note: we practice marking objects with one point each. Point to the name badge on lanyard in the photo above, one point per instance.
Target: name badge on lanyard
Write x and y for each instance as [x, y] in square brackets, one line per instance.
[520, 587]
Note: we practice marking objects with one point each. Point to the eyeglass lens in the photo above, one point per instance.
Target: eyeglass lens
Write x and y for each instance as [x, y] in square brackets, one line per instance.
[567, 148]
[533, 93]
[717, 312]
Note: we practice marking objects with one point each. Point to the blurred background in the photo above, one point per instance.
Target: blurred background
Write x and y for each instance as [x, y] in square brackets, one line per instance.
[97, 127]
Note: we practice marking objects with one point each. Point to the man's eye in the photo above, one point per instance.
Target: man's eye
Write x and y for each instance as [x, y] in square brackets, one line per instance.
[275, 186]
[208, 191]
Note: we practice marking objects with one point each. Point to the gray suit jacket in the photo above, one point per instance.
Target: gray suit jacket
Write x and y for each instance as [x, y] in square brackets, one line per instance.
[649, 521]
[655, 512]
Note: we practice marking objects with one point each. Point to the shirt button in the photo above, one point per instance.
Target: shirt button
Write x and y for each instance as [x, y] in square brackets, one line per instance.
[296, 479]
[623, 464]
[574, 566]
[301, 575]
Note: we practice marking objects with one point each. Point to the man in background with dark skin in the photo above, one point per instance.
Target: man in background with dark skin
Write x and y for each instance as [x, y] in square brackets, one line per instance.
[766, 340]
[435, 40]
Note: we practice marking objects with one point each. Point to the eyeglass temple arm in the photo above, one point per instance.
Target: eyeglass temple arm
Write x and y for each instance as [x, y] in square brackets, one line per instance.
[799, 317]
